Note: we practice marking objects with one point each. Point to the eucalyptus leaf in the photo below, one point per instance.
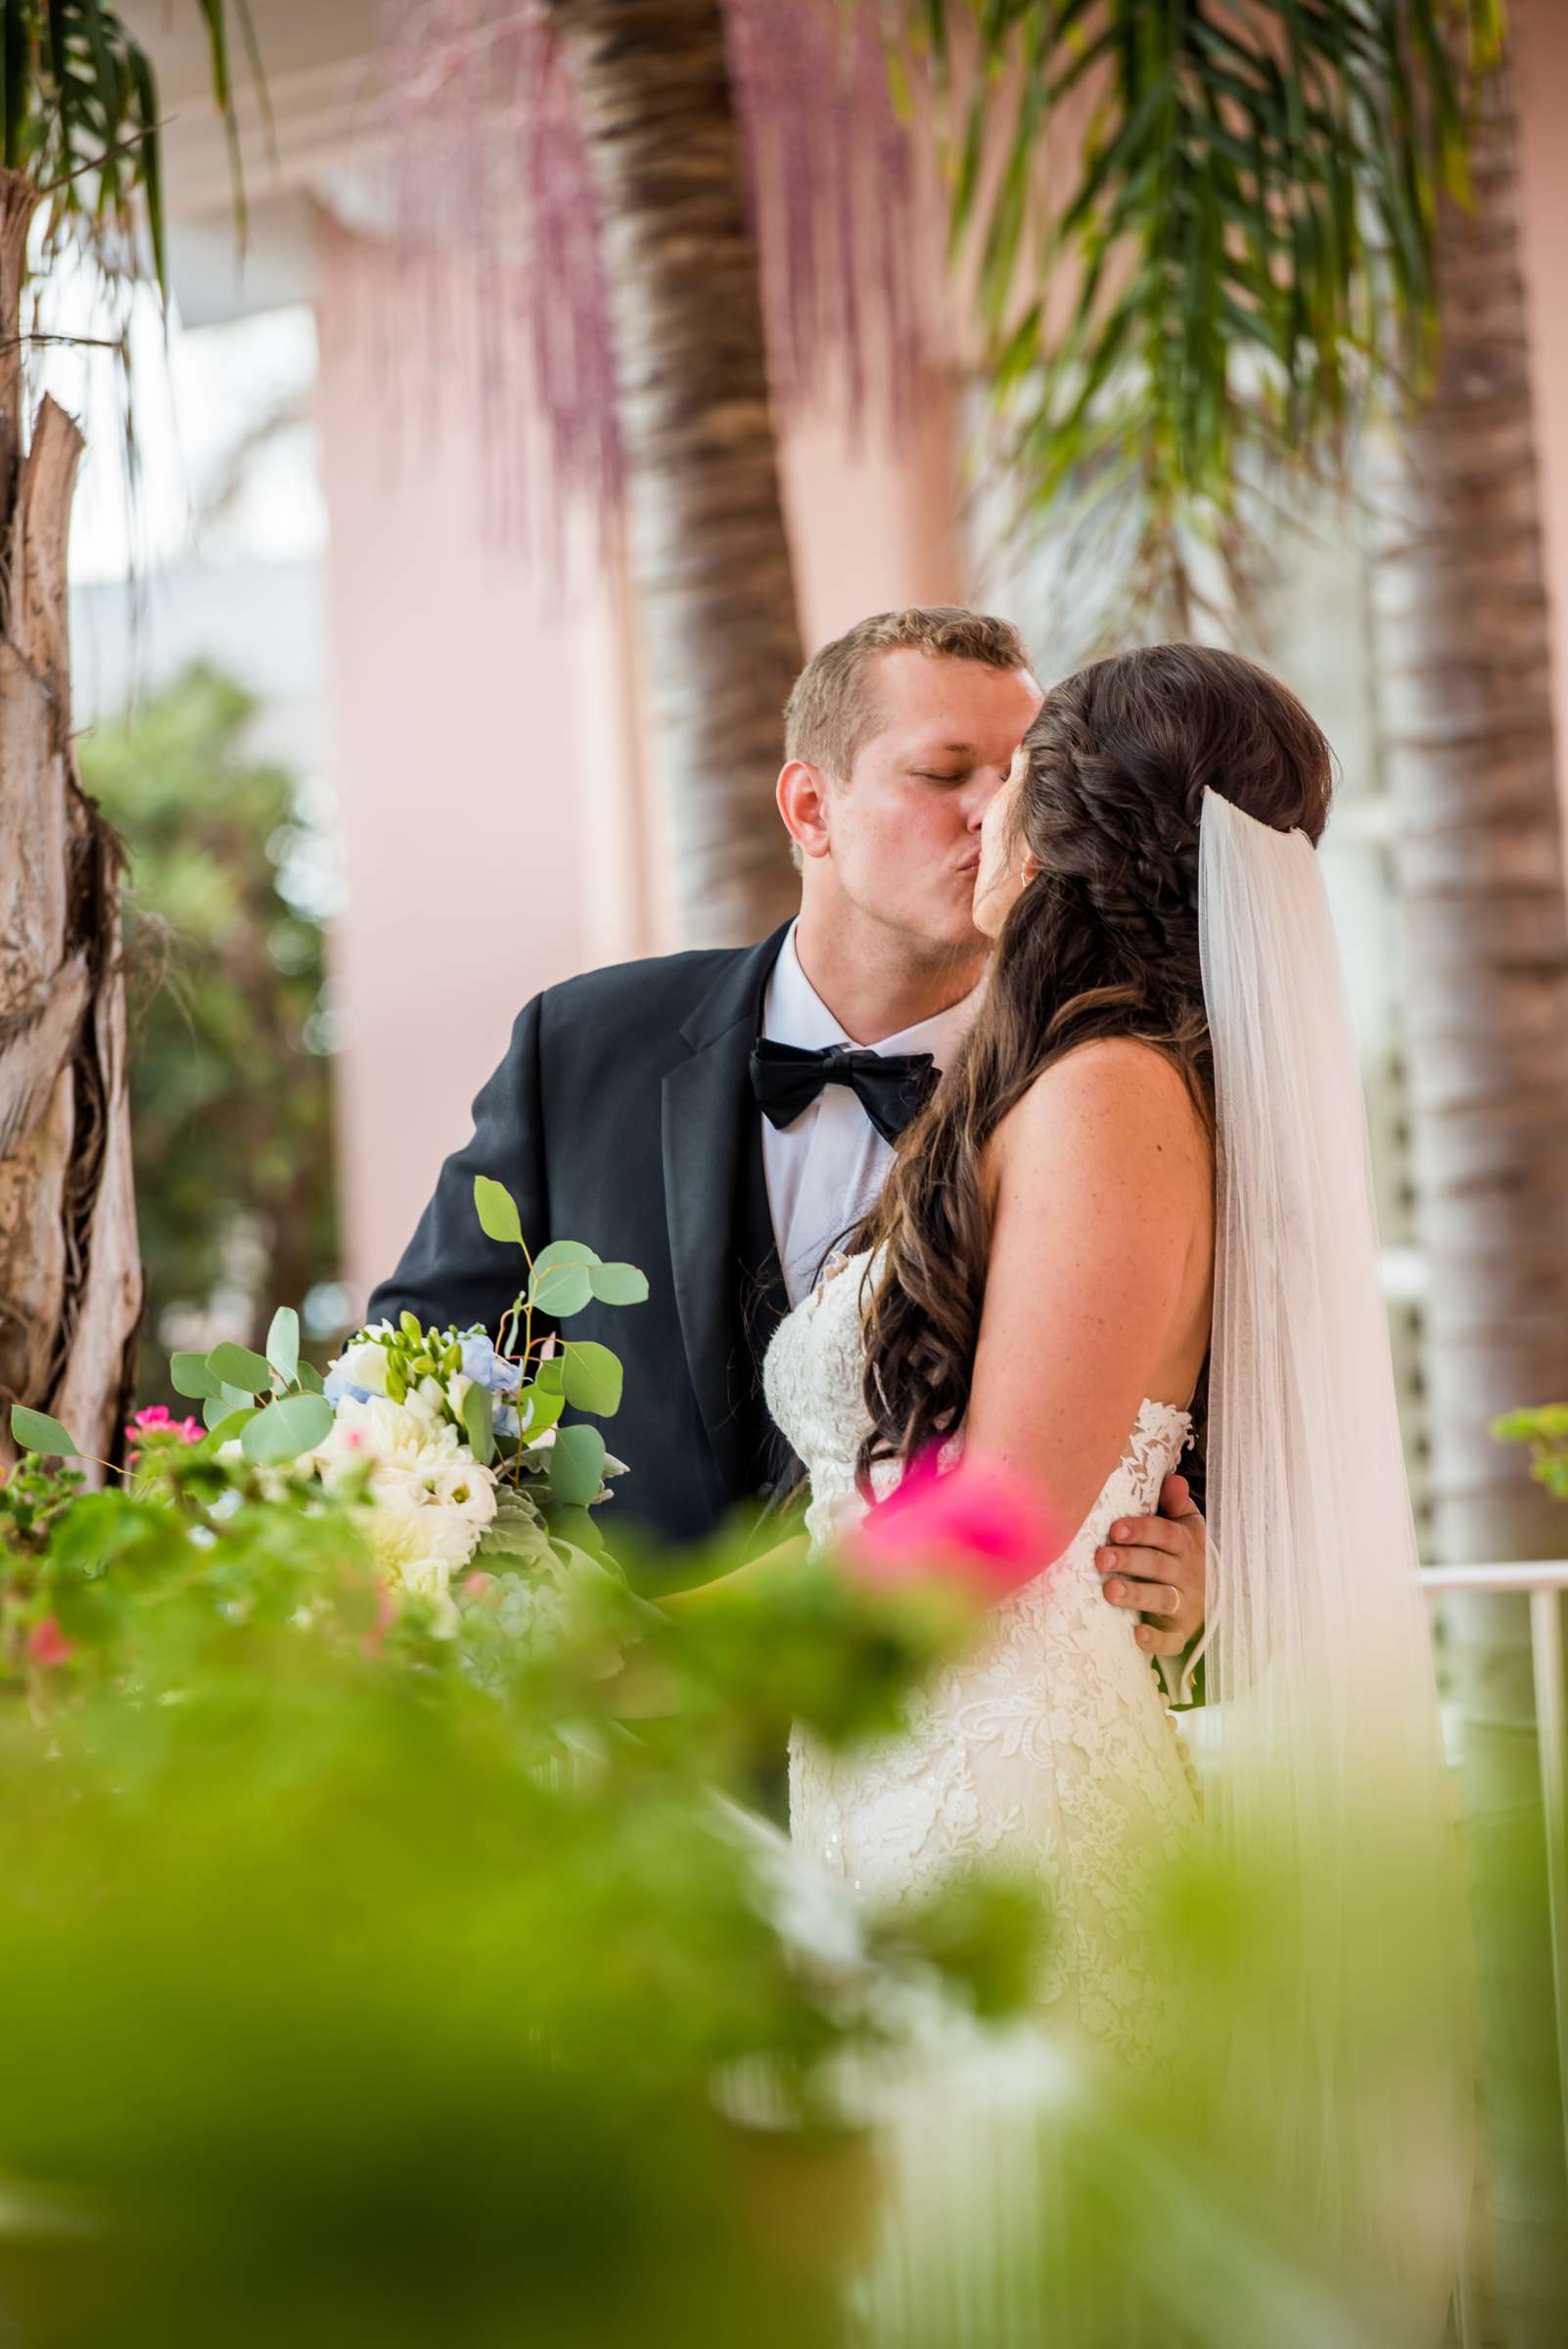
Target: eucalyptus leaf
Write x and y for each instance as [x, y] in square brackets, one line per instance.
[286, 1428]
[563, 1252]
[538, 1410]
[619, 1284]
[577, 1465]
[282, 1344]
[575, 1524]
[551, 1379]
[478, 1423]
[226, 1422]
[498, 1211]
[311, 1379]
[237, 1366]
[562, 1288]
[189, 1375]
[593, 1378]
[35, 1431]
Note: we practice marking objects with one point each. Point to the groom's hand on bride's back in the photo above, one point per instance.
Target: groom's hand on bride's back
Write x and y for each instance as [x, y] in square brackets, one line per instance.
[1155, 1566]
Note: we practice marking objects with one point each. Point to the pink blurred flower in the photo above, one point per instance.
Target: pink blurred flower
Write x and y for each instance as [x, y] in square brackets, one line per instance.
[976, 1524]
[385, 1617]
[154, 1420]
[47, 1644]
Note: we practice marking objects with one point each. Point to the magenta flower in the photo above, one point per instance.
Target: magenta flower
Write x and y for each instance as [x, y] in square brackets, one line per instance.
[976, 1524]
[385, 1616]
[155, 1421]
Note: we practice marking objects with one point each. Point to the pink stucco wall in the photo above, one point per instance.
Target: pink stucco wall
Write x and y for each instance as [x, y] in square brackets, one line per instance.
[474, 778]
[497, 826]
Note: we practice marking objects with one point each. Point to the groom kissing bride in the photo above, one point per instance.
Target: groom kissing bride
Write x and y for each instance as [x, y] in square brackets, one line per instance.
[723, 1119]
[1040, 1135]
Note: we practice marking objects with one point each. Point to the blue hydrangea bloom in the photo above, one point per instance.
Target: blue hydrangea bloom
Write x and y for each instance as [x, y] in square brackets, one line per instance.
[487, 1369]
[338, 1388]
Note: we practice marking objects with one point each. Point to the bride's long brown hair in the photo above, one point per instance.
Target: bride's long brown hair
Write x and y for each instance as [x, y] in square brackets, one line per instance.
[1104, 942]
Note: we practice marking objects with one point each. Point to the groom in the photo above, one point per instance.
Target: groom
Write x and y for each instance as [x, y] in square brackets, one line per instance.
[723, 1118]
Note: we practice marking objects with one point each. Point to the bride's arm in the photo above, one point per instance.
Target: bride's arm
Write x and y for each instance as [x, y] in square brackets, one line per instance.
[1097, 1286]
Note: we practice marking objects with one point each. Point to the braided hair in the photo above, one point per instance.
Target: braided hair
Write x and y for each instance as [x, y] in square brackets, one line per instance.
[1104, 942]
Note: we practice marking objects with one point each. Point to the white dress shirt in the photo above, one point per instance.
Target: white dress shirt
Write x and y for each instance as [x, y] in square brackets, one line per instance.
[824, 1168]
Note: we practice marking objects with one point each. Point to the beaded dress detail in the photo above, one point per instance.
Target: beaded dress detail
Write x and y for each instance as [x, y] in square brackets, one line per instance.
[1048, 1749]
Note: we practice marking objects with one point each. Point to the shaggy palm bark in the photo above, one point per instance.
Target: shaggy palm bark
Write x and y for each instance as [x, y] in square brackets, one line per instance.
[710, 554]
[1465, 662]
[70, 1279]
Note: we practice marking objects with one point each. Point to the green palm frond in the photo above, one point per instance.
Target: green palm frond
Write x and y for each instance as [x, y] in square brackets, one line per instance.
[79, 116]
[1247, 233]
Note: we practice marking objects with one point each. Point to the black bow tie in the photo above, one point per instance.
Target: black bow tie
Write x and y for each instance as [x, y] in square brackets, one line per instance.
[891, 1087]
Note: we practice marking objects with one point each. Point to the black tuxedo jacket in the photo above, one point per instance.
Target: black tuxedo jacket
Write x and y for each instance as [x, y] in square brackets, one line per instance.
[622, 1116]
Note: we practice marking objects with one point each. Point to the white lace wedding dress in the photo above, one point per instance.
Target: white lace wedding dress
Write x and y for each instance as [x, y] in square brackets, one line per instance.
[1048, 1749]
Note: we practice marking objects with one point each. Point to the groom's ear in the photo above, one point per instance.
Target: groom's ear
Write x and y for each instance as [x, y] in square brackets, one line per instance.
[803, 802]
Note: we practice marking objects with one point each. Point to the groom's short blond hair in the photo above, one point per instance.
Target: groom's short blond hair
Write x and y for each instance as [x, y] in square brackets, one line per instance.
[832, 709]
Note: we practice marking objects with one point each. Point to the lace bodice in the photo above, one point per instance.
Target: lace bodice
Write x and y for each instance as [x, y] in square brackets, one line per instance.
[1049, 1747]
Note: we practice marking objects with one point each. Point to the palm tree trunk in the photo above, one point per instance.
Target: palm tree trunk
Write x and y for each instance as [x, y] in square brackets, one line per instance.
[1464, 665]
[711, 557]
[70, 1280]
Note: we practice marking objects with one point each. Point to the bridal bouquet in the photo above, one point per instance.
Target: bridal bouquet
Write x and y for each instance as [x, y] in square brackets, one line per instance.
[453, 1443]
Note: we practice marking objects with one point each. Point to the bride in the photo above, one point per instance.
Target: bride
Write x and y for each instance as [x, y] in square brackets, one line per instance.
[1141, 1197]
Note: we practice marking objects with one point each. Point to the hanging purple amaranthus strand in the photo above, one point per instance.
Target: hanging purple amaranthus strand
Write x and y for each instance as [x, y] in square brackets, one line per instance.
[489, 169]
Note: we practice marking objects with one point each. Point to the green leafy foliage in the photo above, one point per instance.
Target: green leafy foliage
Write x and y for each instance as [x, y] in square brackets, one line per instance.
[478, 1424]
[413, 1943]
[541, 1407]
[79, 114]
[592, 1377]
[226, 1421]
[282, 1344]
[1545, 1431]
[560, 1288]
[238, 1368]
[189, 1375]
[291, 1425]
[1245, 238]
[577, 1465]
[231, 1096]
[35, 1431]
[619, 1284]
[498, 1211]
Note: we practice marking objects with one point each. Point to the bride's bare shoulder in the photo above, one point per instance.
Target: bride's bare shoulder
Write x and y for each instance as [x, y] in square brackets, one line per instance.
[1112, 1099]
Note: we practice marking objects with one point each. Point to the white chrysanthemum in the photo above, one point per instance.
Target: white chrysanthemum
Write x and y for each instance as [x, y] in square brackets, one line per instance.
[412, 1463]
[418, 1550]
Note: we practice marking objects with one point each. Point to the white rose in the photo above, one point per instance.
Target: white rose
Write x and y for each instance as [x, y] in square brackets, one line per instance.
[465, 1488]
[428, 1402]
[363, 1365]
[457, 1387]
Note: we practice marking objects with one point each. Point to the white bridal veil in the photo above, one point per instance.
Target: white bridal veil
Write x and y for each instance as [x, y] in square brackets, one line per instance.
[1329, 1780]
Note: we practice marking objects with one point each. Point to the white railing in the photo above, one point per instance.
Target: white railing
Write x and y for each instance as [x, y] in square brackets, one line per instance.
[1544, 1583]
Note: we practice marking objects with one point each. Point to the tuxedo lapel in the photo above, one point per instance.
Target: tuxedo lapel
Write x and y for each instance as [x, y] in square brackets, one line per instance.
[707, 1111]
